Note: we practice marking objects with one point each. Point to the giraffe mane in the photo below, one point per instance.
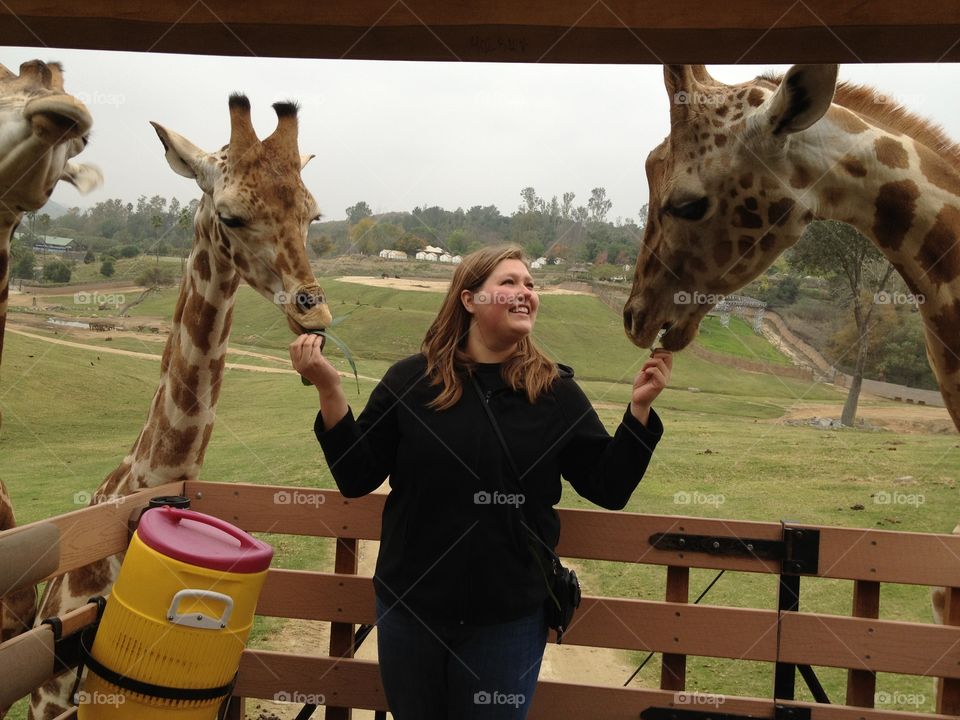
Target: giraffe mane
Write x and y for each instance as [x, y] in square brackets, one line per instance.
[863, 100]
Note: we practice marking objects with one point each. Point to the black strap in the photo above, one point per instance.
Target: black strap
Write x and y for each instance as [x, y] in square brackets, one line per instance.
[513, 465]
[145, 688]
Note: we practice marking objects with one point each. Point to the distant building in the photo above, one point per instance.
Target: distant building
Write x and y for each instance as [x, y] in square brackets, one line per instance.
[393, 255]
[52, 244]
[538, 263]
[456, 260]
[424, 255]
[445, 258]
[435, 250]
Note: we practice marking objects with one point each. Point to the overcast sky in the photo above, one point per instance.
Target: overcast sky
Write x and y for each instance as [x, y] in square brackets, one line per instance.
[398, 135]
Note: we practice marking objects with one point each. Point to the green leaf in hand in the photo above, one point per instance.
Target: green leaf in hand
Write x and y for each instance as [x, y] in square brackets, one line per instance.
[343, 348]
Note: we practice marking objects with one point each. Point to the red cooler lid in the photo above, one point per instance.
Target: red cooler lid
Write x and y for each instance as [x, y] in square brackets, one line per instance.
[203, 540]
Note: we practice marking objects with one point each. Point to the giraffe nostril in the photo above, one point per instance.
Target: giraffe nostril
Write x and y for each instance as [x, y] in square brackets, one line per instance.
[306, 302]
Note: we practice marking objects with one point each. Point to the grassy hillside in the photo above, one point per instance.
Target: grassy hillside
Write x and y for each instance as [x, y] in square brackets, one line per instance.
[70, 415]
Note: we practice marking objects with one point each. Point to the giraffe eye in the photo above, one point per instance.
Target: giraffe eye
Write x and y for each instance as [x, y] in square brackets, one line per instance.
[693, 210]
[230, 222]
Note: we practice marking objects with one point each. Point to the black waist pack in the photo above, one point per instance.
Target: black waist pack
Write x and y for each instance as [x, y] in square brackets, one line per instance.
[563, 598]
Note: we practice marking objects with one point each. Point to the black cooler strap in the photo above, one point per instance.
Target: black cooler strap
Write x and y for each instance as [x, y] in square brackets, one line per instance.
[145, 688]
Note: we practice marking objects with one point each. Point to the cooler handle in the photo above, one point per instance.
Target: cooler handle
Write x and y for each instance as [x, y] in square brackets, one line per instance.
[246, 541]
[199, 620]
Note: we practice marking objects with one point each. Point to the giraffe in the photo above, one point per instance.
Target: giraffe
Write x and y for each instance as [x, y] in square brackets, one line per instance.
[746, 167]
[251, 224]
[41, 128]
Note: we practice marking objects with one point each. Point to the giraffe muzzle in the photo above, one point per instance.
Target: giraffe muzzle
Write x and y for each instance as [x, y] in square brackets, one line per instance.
[307, 309]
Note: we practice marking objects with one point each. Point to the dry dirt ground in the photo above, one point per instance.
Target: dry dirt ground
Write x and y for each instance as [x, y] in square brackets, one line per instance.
[901, 418]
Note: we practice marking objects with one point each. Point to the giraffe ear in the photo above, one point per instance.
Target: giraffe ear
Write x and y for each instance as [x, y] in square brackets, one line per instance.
[183, 156]
[82, 176]
[804, 96]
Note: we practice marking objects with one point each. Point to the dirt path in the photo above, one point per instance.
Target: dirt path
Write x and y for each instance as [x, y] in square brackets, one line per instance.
[99, 349]
[435, 286]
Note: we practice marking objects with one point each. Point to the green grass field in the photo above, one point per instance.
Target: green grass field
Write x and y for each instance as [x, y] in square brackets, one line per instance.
[70, 416]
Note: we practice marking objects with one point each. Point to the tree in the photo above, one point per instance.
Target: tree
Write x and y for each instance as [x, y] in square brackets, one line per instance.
[362, 237]
[599, 205]
[356, 213]
[106, 268]
[566, 208]
[155, 277]
[24, 267]
[838, 251]
[321, 245]
[129, 251]
[89, 257]
[56, 271]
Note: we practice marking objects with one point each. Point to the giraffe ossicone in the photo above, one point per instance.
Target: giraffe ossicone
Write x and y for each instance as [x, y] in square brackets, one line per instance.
[746, 167]
[251, 225]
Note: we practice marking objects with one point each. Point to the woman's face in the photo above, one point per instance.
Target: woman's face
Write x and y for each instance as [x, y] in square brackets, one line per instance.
[505, 307]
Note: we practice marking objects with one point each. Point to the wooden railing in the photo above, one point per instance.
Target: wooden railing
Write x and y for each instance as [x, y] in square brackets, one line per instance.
[783, 636]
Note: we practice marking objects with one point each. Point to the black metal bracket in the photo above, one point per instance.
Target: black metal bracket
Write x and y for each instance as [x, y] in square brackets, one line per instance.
[798, 551]
[780, 712]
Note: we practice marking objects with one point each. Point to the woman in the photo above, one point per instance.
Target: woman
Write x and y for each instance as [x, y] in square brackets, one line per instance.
[460, 595]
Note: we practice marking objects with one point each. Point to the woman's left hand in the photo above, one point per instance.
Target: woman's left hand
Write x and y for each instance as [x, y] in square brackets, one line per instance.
[650, 381]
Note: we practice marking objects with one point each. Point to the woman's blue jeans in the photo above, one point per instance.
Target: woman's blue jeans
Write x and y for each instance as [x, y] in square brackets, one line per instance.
[454, 671]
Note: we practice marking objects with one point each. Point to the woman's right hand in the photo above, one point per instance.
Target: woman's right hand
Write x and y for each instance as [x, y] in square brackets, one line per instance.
[308, 360]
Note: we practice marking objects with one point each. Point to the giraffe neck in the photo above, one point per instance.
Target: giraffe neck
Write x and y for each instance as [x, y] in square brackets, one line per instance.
[175, 435]
[905, 197]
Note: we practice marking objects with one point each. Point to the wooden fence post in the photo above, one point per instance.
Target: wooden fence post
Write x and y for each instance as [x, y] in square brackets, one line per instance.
[862, 684]
[341, 634]
[673, 669]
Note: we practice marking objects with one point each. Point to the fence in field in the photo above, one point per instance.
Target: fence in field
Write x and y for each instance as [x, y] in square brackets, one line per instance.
[785, 637]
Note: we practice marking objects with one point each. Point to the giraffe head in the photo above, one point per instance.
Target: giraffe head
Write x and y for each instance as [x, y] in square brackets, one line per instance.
[41, 129]
[723, 199]
[255, 210]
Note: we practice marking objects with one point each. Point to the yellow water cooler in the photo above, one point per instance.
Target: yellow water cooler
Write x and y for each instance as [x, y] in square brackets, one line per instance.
[177, 620]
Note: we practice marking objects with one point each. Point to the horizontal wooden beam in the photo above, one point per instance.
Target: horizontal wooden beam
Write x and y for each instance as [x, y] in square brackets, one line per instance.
[356, 683]
[577, 31]
[27, 661]
[845, 553]
[97, 531]
[599, 622]
[867, 644]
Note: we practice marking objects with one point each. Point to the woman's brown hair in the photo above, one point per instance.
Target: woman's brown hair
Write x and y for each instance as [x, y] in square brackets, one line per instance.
[528, 369]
